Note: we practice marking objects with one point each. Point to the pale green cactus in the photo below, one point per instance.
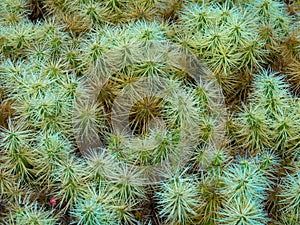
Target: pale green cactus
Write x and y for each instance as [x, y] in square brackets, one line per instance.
[77, 114]
[178, 199]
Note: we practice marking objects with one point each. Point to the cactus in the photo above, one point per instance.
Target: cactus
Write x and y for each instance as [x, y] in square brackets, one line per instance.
[149, 112]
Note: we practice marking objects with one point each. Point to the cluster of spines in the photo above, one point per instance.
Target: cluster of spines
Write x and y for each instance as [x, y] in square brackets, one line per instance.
[228, 37]
[270, 120]
[47, 63]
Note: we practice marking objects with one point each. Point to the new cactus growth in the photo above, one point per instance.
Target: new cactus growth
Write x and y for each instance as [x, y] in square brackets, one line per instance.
[149, 112]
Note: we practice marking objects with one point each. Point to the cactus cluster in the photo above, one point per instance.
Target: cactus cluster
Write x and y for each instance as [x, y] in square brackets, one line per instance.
[149, 112]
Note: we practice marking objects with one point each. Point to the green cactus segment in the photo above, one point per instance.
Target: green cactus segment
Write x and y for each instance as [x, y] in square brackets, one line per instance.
[175, 112]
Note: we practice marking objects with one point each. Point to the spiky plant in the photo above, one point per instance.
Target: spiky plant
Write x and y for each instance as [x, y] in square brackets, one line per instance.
[291, 45]
[34, 83]
[70, 182]
[274, 20]
[239, 26]
[14, 137]
[56, 7]
[139, 102]
[293, 73]
[70, 56]
[115, 6]
[93, 13]
[18, 156]
[276, 117]
[12, 12]
[38, 51]
[292, 149]
[270, 91]
[242, 212]
[92, 210]
[126, 50]
[213, 40]
[245, 181]
[208, 100]
[225, 11]
[169, 10]
[178, 199]
[253, 54]
[11, 70]
[285, 131]
[65, 63]
[267, 9]
[196, 17]
[211, 198]
[17, 38]
[49, 27]
[17, 194]
[252, 128]
[128, 183]
[203, 156]
[94, 49]
[53, 68]
[7, 181]
[290, 198]
[269, 37]
[99, 164]
[30, 213]
[73, 87]
[125, 211]
[88, 120]
[157, 146]
[150, 35]
[166, 145]
[141, 10]
[54, 149]
[138, 151]
[45, 110]
[268, 161]
[210, 158]
[144, 112]
[44, 101]
[181, 109]
[210, 131]
[51, 33]
[224, 60]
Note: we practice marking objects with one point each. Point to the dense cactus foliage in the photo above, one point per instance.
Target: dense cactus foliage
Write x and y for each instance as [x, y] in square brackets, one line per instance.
[149, 112]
